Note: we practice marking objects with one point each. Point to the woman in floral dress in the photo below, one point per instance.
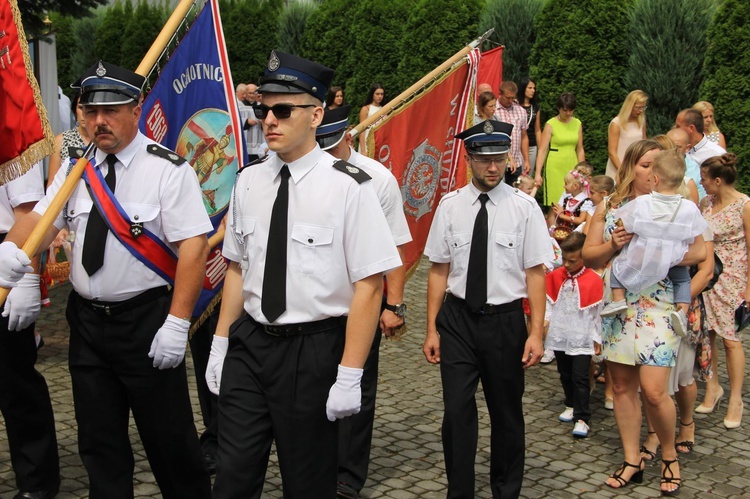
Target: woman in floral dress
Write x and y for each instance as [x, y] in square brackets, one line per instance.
[640, 345]
[728, 212]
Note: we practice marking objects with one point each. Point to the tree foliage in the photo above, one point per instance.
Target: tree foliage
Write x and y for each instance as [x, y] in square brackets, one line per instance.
[726, 86]
[110, 32]
[250, 28]
[377, 30]
[328, 35]
[434, 31]
[142, 29]
[292, 22]
[667, 47]
[513, 21]
[34, 11]
[581, 47]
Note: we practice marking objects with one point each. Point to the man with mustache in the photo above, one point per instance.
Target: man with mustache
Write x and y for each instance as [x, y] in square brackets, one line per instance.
[138, 263]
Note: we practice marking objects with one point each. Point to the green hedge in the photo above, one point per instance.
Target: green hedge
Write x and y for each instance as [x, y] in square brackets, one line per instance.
[581, 47]
[667, 47]
[727, 86]
[598, 49]
[513, 21]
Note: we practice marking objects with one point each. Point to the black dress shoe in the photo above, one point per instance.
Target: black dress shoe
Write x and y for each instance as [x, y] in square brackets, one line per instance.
[346, 491]
[39, 494]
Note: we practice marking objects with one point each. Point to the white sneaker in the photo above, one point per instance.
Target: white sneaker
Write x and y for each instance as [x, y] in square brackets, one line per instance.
[548, 357]
[679, 323]
[614, 308]
[581, 429]
[567, 415]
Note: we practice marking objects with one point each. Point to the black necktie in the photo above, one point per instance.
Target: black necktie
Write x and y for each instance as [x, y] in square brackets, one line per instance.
[476, 276]
[96, 230]
[273, 299]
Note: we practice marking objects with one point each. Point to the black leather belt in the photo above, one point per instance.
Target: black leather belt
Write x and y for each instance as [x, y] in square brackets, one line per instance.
[488, 308]
[286, 330]
[118, 307]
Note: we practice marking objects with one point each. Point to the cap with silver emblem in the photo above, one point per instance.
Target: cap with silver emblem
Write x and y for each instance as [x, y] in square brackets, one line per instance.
[488, 137]
[107, 84]
[333, 127]
[289, 74]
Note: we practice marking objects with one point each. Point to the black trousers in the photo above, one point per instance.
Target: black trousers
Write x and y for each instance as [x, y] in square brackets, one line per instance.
[275, 388]
[355, 432]
[487, 347]
[200, 348]
[112, 375]
[574, 376]
[26, 407]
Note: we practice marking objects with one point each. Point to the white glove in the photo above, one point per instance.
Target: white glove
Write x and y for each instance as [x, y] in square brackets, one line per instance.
[219, 347]
[168, 347]
[24, 303]
[345, 396]
[14, 263]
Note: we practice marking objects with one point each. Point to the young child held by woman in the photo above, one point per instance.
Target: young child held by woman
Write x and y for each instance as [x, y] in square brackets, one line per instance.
[664, 224]
[574, 296]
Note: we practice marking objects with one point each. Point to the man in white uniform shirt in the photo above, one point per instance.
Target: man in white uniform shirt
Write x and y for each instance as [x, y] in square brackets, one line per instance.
[355, 432]
[24, 396]
[308, 245]
[488, 243]
[128, 326]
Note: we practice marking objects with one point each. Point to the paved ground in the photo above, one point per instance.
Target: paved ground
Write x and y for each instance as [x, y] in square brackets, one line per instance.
[407, 459]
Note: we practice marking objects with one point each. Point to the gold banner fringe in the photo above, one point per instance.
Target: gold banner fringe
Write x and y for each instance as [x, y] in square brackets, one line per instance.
[36, 152]
[209, 310]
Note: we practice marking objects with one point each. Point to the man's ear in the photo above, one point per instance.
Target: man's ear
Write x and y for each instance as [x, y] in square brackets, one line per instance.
[348, 139]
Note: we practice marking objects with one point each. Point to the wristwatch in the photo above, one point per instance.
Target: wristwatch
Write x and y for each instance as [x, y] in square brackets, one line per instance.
[398, 309]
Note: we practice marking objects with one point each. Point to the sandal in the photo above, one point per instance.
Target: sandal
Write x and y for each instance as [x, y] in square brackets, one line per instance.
[670, 479]
[637, 477]
[650, 455]
[687, 444]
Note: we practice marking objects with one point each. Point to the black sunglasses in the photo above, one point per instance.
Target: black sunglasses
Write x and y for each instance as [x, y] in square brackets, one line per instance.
[281, 111]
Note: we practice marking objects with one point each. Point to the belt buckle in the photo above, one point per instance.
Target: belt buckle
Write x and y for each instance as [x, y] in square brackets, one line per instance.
[105, 308]
[270, 330]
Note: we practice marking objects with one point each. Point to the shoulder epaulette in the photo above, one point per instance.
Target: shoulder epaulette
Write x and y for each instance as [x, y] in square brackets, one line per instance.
[253, 163]
[165, 153]
[76, 152]
[354, 172]
[523, 195]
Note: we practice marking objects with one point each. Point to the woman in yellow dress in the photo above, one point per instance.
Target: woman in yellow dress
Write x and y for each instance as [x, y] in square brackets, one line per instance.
[560, 149]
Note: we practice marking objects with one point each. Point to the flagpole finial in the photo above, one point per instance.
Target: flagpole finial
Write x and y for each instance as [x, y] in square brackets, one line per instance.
[476, 43]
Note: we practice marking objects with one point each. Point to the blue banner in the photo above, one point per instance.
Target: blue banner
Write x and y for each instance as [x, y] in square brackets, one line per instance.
[192, 109]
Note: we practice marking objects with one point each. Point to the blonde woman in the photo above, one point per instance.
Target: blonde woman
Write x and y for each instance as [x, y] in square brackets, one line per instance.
[709, 124]
[627, 127]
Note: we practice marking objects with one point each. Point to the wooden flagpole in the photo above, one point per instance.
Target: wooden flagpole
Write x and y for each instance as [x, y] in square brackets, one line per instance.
[424, 81]
[31, 246]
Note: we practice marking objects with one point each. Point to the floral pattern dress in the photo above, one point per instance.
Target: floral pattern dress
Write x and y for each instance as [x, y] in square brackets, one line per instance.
[643, 335]
[731, 248]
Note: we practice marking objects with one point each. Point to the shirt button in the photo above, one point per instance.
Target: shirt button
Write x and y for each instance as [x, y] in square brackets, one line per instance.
[136, 217]
[310, 240]
[72, 212]
[511, 245]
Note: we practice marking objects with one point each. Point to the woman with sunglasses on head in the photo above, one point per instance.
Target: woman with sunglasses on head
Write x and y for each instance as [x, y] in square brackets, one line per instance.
[627, 127]
[530, 102]
[710, 128]
[373, 103]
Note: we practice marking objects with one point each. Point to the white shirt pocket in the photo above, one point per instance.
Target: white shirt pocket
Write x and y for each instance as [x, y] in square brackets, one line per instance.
[460, 246]
[505, 250]
[312, 249]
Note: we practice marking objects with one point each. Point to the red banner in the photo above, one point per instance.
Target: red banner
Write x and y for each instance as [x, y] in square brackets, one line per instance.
[491, 69]
[416, 142]
[26, 134]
